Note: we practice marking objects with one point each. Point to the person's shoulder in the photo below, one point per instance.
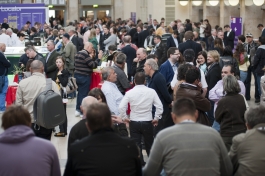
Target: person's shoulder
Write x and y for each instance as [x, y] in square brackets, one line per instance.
[239, 138]
[45, 144]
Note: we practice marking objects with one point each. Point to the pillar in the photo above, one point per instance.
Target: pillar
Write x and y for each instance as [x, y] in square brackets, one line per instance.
[72, 6]
[222, 13]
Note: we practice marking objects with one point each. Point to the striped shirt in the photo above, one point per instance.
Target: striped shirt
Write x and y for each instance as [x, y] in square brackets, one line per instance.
[84, 64]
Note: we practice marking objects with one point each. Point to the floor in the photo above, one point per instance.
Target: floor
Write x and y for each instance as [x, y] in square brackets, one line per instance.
[61, 143]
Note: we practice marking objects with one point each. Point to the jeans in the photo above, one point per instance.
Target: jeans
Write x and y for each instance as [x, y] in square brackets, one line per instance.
[243, 75]
[248, 84]
[83, 83]
[42, 132]
[145, 129]
[258, 82]
[3, 95]
[216, 126]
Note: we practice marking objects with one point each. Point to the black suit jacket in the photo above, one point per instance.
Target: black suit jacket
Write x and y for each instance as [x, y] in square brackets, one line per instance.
[83, 30]
[189, 44]
[210, 43]
[161, 53]
[79, 131]
[151, 26]
[75, 41]
[171, 43]
[212, 76]
[103, 153]
[51, 64]
[131, 33]
[263, 33]
[141, 37]
[229, 40]
[130, 52]
[101, 40]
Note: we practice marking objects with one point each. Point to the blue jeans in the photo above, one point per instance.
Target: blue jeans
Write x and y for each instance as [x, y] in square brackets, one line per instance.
[243, 75]
[3, 95]
[216, 126]
[258, 81]
[83, 83]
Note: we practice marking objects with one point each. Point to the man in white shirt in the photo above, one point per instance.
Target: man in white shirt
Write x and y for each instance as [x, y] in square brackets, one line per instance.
[4, 38]
[13, 37]
[189, 56]
[141, 99]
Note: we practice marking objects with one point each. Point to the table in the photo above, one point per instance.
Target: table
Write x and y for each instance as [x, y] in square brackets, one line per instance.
[11, 95]
[95, 79]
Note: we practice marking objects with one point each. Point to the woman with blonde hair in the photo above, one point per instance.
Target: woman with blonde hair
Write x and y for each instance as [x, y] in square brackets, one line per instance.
[93, 39]
[161, 30]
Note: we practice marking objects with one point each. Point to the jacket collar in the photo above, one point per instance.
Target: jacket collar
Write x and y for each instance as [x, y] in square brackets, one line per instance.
[260, 127]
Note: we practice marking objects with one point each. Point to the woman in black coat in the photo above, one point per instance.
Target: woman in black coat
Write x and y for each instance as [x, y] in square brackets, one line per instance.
[61, 79]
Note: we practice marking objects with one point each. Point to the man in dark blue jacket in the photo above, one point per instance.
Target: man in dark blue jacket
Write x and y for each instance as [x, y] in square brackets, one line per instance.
[259, 61]
[4, 65]
[158, 83]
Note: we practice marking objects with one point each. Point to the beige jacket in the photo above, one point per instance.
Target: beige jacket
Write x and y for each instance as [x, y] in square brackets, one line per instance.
[28, 90]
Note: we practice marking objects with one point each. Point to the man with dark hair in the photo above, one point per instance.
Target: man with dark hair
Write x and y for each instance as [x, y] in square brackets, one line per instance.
[142, 36]
[229, 36]
[173, 41]
[159, 50]
[261, 28]
[122, 81]
[259, 61]
[32, 54]
[50, 61]
[141, 99]
[121, 155]
[216, 93]
[190, 44]
[241, 39]
[185, 158]
[247, 151]
[106, 35]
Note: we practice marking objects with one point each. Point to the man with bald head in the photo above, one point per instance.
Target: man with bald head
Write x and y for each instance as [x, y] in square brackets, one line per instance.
[4, 65]
[79, 130]
[50, 58]
[28, 90]
[130, 54]
[139, 61]
[84, 65]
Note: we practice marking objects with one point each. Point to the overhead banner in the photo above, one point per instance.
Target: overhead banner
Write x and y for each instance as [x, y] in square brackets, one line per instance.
[18, 14]
[237, 26]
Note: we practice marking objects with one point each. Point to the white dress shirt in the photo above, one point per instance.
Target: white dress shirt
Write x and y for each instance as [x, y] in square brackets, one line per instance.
[113, 96]
[5, 39]
[176, 41]
[141, 99]
[20, 43]
[175, 80]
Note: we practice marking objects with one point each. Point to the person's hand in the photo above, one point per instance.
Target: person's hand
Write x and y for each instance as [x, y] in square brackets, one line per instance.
[155, 122]
[22, 65]
[197, 63]
[126, 120]
[100, 54]
[135, 59]
[116, 119]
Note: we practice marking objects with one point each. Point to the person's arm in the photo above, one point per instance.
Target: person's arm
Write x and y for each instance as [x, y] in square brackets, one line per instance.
[216, 93]
[56, 170]
[162, 88]
[123, 106]
[163, 71]
[67, 51]
[108, 40]
[63, 78]
[53, 66]
[91, 63]
[257, 58]
[125, 83]
[19, 98]
[159, 106]
[174, 80]
[4, 61]
[111, 101]
[55, 88]
[231, 36]
[68, 171]
[243, 88]
[145, 43]
[154, 165]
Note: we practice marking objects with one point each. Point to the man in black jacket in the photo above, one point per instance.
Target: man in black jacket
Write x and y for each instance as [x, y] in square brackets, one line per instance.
[108, 153]
[74, 39]
[259, 61]
[142, 36]
[229, 36]
[138, 62]
[50, 59]
[159, 50]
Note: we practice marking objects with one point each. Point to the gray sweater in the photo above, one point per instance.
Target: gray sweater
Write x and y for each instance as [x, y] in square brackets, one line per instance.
[187, 149]
[112, 40]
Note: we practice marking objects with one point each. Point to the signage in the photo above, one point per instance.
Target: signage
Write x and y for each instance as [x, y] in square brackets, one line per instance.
[19, 14]
[236, 25]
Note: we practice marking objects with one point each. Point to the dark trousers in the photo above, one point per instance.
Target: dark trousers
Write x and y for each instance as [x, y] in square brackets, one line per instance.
[63, 127]
[227, 142]
[121, 129]
[83, 83]
[145, 129]
[248, 84]
[42, 132]
[211, 113]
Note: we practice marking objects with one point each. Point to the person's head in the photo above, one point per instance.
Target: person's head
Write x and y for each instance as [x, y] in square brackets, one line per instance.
[33, 29]
[21, 36]
[97, 31]
[212, 57]
[196, 35]
[5, 20]
[61, 31]
[112, 48]
[60, 62]
[150, 67]
[228, 70]
[157, 39]
[213, 32]
[231, 85]
[15, 115]
[255, 116]
[36, 66]
[127, 39]
[227, 28]
[262, 40]
[54, 22]
[183, 109]
[155, 22]
[28, 65]
[28, 23]
[260, 26]
[139, 78]
[9, 31]
[162, 19]
[92, 33]
[202, 57]
[139, 28]
[141, 54]
[88, 46]
[50, 45]
[249, 37]
[151, 31]
[106, 30]
[203, 45]
[30, 52]
[98, 94]
[189, 55]
[121, 59]
[240, 48]
[228, 51]
[108, 74]
[175, 33]
[2, 47]
[66, 38]
[98, 117]
[218, 43]
[113, 30]
[71, 32]
[182, 70]
[174, 54]
[162, 24]
[220, 35]
[86, 102]
[188, 35]
[241, 39]
[206, 21]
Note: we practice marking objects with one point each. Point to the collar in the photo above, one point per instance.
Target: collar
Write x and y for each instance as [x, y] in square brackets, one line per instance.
[108, 82]
[115, 65]
[187, 121]
[260, 127]
[52, 50]
[184, 83]
[38, 74]
[102, 130]
[191, 63]
[171, 63]
[139, 86]
[154, 74]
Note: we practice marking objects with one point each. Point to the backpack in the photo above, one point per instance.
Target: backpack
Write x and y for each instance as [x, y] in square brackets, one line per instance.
[48, 109]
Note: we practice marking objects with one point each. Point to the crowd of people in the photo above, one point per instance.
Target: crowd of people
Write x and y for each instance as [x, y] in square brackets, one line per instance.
[178, 79]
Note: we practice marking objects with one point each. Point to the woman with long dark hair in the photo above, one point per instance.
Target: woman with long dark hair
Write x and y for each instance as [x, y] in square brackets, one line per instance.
[242, 58]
